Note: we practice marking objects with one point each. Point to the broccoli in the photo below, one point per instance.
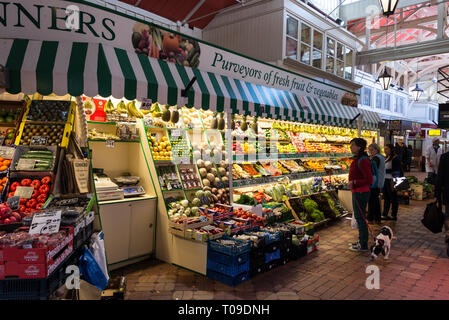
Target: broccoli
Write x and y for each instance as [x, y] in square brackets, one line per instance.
[317, 215]
[310, 205]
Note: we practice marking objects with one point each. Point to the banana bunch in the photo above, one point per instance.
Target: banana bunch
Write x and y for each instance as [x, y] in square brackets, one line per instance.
[132, 110]
[156, 110]
[121, 108]
[109, 107]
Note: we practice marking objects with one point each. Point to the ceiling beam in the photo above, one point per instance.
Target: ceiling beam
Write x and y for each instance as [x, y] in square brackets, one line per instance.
[426, 48]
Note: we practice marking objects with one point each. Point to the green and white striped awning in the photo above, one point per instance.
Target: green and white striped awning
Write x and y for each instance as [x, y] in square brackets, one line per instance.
[92, 69]
[340, 115]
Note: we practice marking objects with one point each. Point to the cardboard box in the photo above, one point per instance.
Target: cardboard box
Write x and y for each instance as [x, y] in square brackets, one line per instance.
[418, 192]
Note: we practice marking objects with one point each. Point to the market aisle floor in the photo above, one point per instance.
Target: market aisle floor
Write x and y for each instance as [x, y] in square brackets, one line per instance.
[418, 269]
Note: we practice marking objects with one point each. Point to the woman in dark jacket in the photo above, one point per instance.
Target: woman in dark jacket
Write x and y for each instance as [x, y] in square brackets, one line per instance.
[360, 179]
[392, 170]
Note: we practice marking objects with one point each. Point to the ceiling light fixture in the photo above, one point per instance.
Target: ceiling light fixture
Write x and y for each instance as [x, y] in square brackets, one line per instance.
[388, 6]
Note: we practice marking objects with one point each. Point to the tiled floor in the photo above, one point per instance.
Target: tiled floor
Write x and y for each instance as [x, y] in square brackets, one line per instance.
[418, 268]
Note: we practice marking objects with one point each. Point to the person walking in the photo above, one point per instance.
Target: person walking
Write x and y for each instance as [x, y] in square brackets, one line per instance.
[409, 157]
[360, 179]
[442, 193]
[392, 170]
[433, 154]
[374, 196]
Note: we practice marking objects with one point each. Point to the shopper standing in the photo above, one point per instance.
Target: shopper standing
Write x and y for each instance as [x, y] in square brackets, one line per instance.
[409, 157]
[392, 170]
[374, 196]
[360, 179]
[442, 193]
[433, 154]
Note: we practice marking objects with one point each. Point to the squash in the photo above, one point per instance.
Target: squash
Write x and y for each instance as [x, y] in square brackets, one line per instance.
[203, 173]
[208, 165]
[200, 163]
[210, 177]
[206, 183]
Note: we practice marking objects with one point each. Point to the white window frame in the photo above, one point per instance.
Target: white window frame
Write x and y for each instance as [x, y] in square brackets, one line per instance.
[288, 36]
[381, 99]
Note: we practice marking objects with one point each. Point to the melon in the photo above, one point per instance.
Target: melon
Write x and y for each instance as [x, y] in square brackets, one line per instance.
[211, 177]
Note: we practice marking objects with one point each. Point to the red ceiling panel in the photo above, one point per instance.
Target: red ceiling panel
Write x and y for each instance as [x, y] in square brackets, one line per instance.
[176, 10]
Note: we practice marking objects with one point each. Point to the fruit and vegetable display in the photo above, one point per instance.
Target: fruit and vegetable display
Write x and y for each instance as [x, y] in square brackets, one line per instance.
[24, 240]
[8, 135]
[95, 134]
[34, 159]
[9, 113]
[40, 193]
[180, 147]
[7, 216]
[189, 177]
[160, 147]
[42, 134]
[168, 177]
[48, 111]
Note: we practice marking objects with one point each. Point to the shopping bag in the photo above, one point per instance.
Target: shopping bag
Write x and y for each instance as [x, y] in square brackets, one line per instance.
[354, 224]
[90, 270]
[433, 217]
[98, 251]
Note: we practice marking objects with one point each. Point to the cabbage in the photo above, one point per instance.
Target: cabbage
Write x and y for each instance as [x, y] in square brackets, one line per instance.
[185, 203]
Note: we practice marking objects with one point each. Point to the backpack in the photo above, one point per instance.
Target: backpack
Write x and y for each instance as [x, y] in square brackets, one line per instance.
[374, 171]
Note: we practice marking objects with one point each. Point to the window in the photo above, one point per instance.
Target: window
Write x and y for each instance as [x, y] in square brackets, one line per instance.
[432, 114]
[291, 38]
[366, 97]
[397, 105]
[387, 101]
[378, 99]
[330, 59]
[317, 56]
[306, 42]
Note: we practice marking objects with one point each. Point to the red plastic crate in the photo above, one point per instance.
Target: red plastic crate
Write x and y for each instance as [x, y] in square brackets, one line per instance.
[35, 262]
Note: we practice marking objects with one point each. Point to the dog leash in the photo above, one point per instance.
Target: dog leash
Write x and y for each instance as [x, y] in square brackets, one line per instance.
[367, 224]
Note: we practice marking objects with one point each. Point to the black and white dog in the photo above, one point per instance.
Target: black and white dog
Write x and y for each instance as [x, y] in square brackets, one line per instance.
[382, 243]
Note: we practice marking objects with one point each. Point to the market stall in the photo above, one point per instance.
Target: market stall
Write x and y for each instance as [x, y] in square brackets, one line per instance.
[222, 156]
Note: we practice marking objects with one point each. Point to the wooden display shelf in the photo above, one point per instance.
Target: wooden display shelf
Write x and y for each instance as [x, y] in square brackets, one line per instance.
[125, 200]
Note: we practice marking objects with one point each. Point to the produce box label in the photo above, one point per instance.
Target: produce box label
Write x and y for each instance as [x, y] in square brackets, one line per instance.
[39, 140]
[6, 152]
[24, 192]
[47, 222]
[110, 143]
[146, 104]
[26, 164]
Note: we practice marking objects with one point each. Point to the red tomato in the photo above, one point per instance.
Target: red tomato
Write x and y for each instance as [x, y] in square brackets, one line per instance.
[44, 189]
[39, 206]
[14, 186]
[22, 208]
[46, 180]
[42, 198]
[31, 203]
[36, 183]
[23, 201]
[25, 182]
[35, 194]
[11, 194]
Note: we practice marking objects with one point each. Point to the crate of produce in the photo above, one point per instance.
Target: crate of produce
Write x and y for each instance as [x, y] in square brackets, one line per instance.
[257, 239]
[312, 243]
[229, 270]
[190, 222]
[35, 263]
[50, 111]
[83, 201]
[271, 256]
[35, 158]
[219, 211]
[272, 247]
[270, 236]
[296, 227]
[230, 246]
[11, 113]
[37, 289]
[284, 232]
[234, 225]
[230, 281]
[226, 259]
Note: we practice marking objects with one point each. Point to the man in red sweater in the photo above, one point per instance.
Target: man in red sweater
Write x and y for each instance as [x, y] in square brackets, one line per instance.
[360, 179]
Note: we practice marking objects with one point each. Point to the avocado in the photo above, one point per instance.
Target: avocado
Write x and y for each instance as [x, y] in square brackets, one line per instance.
[214, 124]
[221, 123]
[165, 113]
[174, 118]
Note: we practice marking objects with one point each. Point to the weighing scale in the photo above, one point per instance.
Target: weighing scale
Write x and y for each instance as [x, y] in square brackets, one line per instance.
[128, 184]
[133, 191]
[106, 189]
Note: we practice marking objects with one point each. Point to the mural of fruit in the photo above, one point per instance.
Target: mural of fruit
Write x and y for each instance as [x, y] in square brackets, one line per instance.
[165, 45]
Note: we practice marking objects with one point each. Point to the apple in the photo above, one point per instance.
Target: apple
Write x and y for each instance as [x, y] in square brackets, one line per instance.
[7, 221]
[1, 221]
[17, 216]
[12, 219]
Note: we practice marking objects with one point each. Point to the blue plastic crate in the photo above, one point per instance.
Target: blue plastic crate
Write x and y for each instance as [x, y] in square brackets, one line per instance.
[226, 259]
[272, 247]
[272, 256]
[239, 247]
[230, 281]
[231, 271]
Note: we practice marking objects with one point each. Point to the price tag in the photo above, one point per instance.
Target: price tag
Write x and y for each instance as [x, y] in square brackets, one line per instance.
[6, 152]
[184, 160]
[26, 164]
[146, 104]
[47, 222]
[110, 143]
[13, 202]
[176, 133]
[24, 192]
[39, 140]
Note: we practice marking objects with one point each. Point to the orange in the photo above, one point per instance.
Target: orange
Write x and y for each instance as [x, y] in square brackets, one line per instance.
[6, 162]
[2, 159]
[3, 168]
[4, 179]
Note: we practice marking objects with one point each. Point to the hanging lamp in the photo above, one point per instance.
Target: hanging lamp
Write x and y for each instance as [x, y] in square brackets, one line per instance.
[385, 79]
[417, 92]
[388, 6]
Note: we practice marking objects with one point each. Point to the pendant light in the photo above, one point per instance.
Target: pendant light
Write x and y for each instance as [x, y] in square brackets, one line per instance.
[385, 79]
[417, 92]
[388, 6]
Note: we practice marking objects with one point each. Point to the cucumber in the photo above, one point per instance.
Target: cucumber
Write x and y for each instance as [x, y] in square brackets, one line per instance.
[36, 157]
[39, 152]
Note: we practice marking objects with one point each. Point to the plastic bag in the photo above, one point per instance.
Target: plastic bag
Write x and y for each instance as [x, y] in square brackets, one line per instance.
[98, 251]
[433, 217]
[354, 224]
[90, 270]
